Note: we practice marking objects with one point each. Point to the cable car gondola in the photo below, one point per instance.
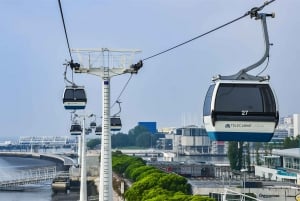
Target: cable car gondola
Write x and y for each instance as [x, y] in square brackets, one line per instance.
[88, 131]
[76, 129]
[98, 130]
[115, 123]
[93, 124]
[236, 110]
[74, 98]
[242, 107]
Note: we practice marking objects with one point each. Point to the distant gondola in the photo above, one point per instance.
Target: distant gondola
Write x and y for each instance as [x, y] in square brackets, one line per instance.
[98, 130]
[75, 129]
[93, 124]
[115, 123]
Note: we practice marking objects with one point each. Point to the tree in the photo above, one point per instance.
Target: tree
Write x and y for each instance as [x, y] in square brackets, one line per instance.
[152, 184]
[257, 146]
[119, 140]
[143, 140]
[235, 155]
[291, 142]
[174, 182]
[134, 133]
[92, 143]
[248, 158]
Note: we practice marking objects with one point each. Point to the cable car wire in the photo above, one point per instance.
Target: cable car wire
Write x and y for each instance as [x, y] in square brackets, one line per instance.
[251, 13]
[268, 60]
[66, 34]
[125, 86]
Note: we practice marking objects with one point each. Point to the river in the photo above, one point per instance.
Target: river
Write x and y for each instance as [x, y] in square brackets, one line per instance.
[11, 166]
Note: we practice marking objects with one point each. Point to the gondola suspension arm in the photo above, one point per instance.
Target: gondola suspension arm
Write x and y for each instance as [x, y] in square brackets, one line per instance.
[262, 17]
[242, 74]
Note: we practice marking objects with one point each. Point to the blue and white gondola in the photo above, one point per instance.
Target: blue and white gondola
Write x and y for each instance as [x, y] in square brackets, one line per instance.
[115, 123]
[98, 130]
[75, 129]
[237, 110]
[74, 98]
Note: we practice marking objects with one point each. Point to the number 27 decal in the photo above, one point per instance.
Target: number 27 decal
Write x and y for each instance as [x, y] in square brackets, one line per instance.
[244, 112]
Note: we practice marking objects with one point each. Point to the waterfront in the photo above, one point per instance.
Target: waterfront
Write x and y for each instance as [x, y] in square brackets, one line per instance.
[10, 166]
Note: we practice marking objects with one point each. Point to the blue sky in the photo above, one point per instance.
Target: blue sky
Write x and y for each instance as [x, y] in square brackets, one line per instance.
[169, 89]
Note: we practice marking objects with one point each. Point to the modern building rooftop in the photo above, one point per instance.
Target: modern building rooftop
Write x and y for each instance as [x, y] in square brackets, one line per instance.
[294, 152]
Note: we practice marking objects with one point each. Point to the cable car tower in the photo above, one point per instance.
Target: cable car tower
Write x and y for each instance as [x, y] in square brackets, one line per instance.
[106, 63]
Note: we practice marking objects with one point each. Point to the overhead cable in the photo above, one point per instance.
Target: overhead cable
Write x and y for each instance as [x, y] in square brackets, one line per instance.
[253, 10]
[63, 21]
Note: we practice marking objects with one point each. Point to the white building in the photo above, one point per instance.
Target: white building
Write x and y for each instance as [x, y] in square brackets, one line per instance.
[296, 122]
[283, 165]
[192, 140]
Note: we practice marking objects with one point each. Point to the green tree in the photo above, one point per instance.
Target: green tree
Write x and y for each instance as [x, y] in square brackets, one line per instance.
[92, 143]
[174, 182]
[248, 158]
[143, 140]
[135, 193]
[235, 155]
[134, 133]
[140, 170]
[153, 194]
[257, 146]
[152, 184]
[291, 142]
[119, 140]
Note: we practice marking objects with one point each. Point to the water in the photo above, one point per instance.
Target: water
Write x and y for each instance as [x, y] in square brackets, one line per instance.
[9, 168]
[34, 194]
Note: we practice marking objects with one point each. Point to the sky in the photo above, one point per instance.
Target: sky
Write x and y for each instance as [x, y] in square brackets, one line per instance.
[169, 89]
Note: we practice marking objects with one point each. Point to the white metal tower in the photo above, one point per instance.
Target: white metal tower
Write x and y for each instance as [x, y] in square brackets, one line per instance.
[106, 63]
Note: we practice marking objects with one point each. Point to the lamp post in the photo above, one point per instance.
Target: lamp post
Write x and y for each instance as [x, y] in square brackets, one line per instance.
[244, 181]
[90, 65]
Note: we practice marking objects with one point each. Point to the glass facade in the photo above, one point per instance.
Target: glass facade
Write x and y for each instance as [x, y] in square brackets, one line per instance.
[292, 163]
[193, 132]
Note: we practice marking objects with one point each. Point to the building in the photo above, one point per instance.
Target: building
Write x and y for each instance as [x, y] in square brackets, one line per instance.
[150, 126]
[291, 124]
[279, 135]
[192, 140]
[283, 165]
[296, 123]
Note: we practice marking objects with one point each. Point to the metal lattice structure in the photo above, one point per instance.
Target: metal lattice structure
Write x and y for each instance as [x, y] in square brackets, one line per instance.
[28, 177]
[45, 140]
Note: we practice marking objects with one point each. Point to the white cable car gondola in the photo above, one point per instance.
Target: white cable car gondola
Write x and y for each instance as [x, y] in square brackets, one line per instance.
[74, 98]
[76, 129]
[98, 130]
[242, 107]
[115, 123]
[93, 125]
[236, 110]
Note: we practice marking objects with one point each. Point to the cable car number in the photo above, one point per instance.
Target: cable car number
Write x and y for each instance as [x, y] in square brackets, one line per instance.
[244, 112]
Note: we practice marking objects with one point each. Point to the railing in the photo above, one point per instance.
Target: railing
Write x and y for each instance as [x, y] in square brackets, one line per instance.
[229, 195]
[28, 177]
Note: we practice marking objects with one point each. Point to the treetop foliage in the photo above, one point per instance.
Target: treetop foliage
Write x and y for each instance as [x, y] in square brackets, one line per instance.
[151, 184]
